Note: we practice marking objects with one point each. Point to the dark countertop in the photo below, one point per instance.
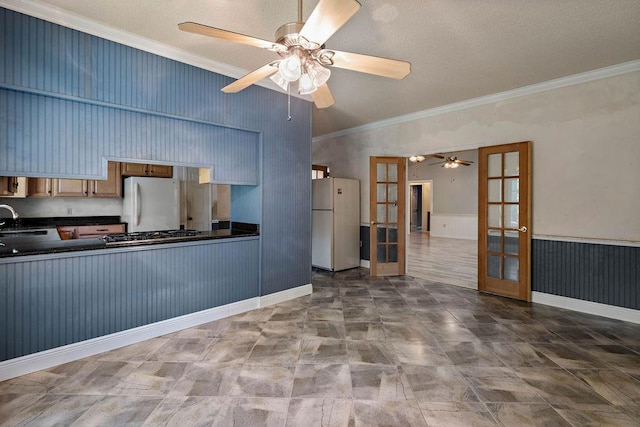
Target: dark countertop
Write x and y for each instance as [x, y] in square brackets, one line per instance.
[61, 221]
[19, 247]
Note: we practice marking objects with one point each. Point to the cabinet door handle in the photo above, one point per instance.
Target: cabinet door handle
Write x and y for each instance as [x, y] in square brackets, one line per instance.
[102, 229]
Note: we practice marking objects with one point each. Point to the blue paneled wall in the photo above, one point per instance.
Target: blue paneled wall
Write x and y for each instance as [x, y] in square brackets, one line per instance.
[69, 101]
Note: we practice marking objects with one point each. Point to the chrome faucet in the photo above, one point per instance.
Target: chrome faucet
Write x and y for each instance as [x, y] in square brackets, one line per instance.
[14, 214]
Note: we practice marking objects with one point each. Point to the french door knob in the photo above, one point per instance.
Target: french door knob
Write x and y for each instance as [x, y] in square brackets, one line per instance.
[523, 229]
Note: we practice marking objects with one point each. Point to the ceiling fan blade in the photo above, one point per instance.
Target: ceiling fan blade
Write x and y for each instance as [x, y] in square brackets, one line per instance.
[437, 163]
[463, 162]
[384, 67]
[251, 78]
[437, 156]
[327, 18]
[322, 97]
[192, 27]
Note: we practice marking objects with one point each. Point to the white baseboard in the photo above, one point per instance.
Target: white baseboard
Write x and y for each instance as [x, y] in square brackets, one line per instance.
[589, 307]
[56, 356]
[286, 295]
[365, 263]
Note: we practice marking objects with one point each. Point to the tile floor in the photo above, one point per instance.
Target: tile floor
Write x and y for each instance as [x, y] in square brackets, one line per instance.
[358, 351]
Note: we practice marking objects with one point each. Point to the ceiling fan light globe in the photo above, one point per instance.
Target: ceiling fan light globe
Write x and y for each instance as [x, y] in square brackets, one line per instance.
[280, 81]
[305, 85]
[290, 68]
[322, 77]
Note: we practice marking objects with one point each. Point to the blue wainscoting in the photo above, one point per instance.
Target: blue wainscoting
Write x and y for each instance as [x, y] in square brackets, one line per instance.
[606, 274]
[50, 301]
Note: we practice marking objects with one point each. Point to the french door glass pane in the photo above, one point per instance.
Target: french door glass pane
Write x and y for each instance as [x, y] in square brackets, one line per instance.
[381, 190]
[381, 172]
[511, 190]
[382, 234]
[393, 233]
[382, 213]
[393, 193]
[495, 190]
[393, 172]
[495, 216]
[512, 164]
[393, 213]
[493, 266]
[511, 242]
[381, 255]
[495, 165]
[493, 241]
[511, 268]
[393, 253]
[511, 216]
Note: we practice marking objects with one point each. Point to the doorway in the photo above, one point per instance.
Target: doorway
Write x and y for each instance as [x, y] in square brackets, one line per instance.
[442, 245]
[420, 206]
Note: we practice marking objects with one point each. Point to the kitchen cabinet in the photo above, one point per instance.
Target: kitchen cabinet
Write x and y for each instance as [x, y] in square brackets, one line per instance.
[11, 186]
[89, 231]
[39, 187]
[62, 187]
[111, 187]
[142, 169]
[69, 187]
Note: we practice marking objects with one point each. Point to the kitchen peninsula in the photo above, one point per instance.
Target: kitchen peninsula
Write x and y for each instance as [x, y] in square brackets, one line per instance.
[66, 110]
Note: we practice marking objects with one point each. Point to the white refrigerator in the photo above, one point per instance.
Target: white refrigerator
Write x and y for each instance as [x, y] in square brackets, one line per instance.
[335, 241]
[151, 204]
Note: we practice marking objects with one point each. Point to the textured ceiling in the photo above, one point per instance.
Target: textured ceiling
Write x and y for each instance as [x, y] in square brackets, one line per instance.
[459, 49]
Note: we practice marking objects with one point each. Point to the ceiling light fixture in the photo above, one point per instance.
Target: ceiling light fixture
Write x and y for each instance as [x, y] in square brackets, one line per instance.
[416, 159]
[307, 70]
[450, 165]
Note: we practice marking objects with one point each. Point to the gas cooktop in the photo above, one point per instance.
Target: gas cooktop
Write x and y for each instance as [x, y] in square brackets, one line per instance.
[149, 235]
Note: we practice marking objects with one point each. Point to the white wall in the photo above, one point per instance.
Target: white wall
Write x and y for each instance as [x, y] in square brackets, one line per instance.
[586, 152]
[455, 191]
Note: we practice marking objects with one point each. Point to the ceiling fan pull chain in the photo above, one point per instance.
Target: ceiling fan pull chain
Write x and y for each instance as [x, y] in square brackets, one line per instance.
[289, 102]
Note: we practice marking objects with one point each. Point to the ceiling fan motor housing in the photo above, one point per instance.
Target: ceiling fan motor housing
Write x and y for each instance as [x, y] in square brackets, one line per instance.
[288, 34]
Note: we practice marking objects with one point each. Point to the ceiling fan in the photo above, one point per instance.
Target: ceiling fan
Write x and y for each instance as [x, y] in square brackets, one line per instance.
[303, 53]
[449, 162]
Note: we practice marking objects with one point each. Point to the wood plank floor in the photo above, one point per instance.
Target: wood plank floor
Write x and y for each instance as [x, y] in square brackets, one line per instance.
[451, 261]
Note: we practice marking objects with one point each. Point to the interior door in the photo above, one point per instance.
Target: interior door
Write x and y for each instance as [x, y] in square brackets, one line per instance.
[387, 215]
[504, 220]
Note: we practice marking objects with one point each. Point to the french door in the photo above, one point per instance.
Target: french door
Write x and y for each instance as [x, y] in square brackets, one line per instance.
[387, 215]
[504, 220]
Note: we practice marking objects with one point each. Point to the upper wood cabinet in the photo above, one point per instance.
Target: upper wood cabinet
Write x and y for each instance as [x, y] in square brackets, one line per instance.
[39, 187]
[111, 187]
[142, 169]
[69, 187]
[62, 187]
[11, 186]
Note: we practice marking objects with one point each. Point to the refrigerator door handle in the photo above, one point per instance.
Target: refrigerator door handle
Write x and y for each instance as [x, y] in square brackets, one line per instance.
[137, 206]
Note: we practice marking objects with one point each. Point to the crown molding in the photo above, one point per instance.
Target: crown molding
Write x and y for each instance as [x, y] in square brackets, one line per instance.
[76, 22]
[601, 73]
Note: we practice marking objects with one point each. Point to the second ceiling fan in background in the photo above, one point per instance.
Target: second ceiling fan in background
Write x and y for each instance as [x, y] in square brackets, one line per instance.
[304, 57]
